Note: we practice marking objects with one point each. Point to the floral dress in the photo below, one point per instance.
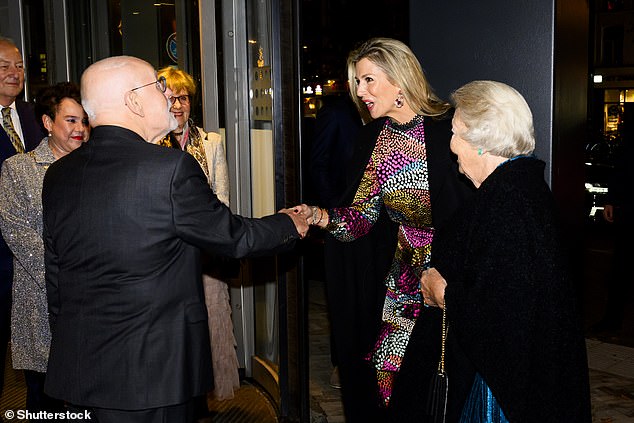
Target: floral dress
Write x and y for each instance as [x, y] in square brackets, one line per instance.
[396, 177]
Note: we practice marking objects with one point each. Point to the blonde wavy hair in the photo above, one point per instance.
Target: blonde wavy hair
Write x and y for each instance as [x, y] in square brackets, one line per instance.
[402, 69]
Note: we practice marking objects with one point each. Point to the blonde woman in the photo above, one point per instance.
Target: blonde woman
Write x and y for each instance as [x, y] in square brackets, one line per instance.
[405, 172]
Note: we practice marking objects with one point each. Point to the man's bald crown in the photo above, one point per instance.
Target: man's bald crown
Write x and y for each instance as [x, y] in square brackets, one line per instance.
[104, 84]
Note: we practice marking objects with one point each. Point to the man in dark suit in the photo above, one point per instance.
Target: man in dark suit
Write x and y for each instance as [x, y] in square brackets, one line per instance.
[19, 132]
[124, 222]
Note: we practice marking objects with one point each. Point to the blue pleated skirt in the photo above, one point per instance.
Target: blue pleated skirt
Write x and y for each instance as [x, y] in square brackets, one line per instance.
[481, 405]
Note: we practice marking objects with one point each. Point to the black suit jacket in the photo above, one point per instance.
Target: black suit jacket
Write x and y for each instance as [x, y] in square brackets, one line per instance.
[124, 223]
[31, 130]
[33, 134]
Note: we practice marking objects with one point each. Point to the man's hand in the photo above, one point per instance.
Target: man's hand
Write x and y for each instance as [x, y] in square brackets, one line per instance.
[298, 219]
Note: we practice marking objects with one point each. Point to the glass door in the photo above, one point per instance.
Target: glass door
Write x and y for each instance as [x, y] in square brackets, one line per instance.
[245, 49]
[262, 116]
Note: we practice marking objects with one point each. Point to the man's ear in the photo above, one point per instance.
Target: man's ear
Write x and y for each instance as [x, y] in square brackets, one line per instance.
[133, 102]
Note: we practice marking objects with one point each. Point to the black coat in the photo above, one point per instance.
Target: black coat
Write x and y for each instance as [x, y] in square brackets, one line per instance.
[357, 269]
[510, 304]
[123, 224]
[31, 129]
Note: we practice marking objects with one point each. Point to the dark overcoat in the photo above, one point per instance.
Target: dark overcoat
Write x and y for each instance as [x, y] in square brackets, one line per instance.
[511, 306]
[124, 222]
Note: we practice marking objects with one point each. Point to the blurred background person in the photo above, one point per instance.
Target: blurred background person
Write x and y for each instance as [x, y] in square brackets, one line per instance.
[500, 268]
[336, 127]
[337, 124]
[19, 132]
[402, 171]
[619, 211]
[60, 111]
[208, 149]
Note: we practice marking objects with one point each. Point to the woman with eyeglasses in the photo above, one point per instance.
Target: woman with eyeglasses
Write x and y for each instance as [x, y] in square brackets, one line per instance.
[208, 149]
[59, 110]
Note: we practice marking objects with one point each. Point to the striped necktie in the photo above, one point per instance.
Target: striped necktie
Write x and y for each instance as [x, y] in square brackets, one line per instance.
[7, 123]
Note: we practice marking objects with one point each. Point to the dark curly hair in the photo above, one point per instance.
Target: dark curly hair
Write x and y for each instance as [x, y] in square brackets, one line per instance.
[48, 99]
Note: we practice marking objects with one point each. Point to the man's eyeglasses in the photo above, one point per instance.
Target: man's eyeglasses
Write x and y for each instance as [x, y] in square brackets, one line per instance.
[182, 99]
[161, 84]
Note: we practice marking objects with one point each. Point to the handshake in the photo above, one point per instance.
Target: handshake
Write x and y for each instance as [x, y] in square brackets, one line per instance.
[304, 215]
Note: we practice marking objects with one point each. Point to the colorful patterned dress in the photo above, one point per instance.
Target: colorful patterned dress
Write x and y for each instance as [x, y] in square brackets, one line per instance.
[396, 176]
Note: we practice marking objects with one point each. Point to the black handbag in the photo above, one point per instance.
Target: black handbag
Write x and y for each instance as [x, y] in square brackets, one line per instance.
[439, 385]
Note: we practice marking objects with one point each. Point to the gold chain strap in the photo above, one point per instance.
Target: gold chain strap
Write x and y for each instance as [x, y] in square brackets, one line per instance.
[441, 364]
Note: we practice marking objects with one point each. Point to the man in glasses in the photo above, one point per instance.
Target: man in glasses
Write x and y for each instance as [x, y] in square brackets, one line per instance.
[124, 223]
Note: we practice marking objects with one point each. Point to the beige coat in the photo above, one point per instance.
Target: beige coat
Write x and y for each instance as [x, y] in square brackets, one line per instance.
[223, 343]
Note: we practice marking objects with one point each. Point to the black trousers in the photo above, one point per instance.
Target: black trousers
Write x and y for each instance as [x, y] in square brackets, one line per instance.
[36, 399]
[179, 413]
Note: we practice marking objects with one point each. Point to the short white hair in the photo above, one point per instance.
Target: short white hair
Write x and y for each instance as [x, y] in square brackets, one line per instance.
[497, 118]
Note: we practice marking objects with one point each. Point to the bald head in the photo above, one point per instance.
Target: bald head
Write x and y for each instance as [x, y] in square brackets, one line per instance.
[110, 98]
[104, 84]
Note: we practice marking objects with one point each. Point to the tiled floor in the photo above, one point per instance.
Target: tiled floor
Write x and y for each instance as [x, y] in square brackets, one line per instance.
[325, 400]
[250, 404]
[612, 392]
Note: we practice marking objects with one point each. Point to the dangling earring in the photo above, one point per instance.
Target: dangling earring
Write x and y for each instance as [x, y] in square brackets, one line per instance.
[49, 134]
[479, 151]
[399, 100]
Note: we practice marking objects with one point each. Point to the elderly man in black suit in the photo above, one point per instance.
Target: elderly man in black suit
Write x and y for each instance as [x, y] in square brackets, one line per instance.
[19, 133]
[124, 222]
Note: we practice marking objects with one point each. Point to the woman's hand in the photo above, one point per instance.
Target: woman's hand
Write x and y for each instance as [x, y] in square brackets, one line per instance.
[432, 286]
[314, 215]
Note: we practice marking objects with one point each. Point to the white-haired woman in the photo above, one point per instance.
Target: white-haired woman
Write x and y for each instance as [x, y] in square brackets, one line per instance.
[499, 269]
